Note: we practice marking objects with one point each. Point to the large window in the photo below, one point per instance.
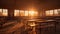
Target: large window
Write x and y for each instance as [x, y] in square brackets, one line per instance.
[55, 12]
[47, 13]
[51, 12]
[25, 13]
[59, 11]
[3, 12]
[21, 13]
[16, 12]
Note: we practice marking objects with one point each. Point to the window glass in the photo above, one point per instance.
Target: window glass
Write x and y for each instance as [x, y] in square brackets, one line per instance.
[31, 13]
[47, 13]
[55, 12]
[59, 11]
[26, 13]
[51, 12]
[22, 13]
[16, 12]
[1, 12]
[36, 13]
[5, 12]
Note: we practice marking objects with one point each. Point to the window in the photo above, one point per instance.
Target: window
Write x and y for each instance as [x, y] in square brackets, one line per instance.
[22, 12]
[59, 11]
[31, 13]
[47, 13]
[25, 13]
[36, 13]
[0, 10]
[3, 12]
[55, 12]
[16, 12]
[51, 12]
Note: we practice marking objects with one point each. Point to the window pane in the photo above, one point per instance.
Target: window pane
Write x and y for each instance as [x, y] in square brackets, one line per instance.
[59, 11]
[51, 12]
[1, 12]
[31, 13]
[36, 13]
[26, 13]
[55, 12]
[47, 13]
[22, 13]
[16, 12]
[5, 12]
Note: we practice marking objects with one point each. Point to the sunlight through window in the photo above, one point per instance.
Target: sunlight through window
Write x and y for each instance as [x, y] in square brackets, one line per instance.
[51, 12]
[26, 13]
[5, 12]
[47, 13]
[16, 12]
[22, 13]
[1, 12]
[59, 11]
[31, 13]
[56, 12]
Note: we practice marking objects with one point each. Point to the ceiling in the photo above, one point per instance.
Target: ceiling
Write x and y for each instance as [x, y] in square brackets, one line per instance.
[26, 4]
